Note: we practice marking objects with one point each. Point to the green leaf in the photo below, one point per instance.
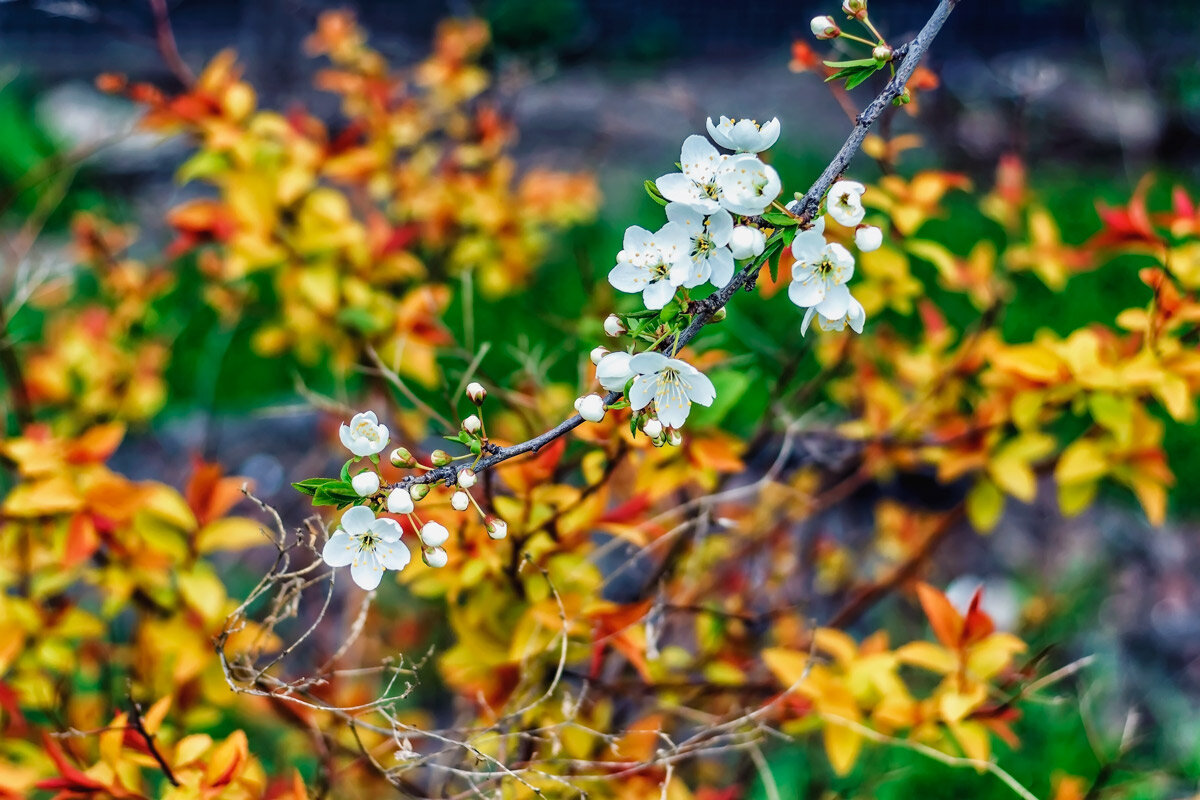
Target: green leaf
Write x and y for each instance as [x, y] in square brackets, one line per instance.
[335, 493]
[669, 310]
[859, 78]
[779, 219]
[655, 195]
[730, 386]
[855, 62]
[346, 471]
[309, 486]
[360, 319]
[202, 165]
[771, 256]
[853, 72]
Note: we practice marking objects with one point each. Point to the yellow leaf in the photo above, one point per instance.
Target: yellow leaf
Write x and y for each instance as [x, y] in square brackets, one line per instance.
[232, 533]
[54, 495]
[985, 503]
[954, 705]
[1073, 498]
[787, 665]
[203, 591]
[973, 739]
[928, 655]
[842, 745]
[993, 654]
[1083, 461]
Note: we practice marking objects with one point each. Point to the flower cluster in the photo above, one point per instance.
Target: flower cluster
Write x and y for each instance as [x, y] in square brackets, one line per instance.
[371, 545]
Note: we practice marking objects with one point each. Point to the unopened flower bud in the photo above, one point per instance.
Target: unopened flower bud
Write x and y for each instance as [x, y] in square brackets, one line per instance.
[439, 458]
[613, 325]
[460, 500]
[418, 491]
[365, 483]
[825, 27]
[598, 353]
[402, 458]
[472, 424]
[652, 428]
[476, 393]
[904, 99]
[674, 438]
[868, 238]
[400, 502]
[720, 314]
[467, 477]
[590, 407]
[882, 53]
[747, 242]
[435, 557]
[855, 8]
[434, 534]
[496, 527]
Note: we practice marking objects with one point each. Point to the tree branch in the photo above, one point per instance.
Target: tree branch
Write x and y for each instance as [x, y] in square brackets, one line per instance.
[805, 208]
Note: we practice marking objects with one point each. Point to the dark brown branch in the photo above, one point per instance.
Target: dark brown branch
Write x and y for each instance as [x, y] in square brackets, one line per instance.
[165, 37]
[137, 724]
[805, 208]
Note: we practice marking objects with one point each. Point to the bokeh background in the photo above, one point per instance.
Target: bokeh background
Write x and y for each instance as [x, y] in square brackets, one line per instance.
[1092, 96]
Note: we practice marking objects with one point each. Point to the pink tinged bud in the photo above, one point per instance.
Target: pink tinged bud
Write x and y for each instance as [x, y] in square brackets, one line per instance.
[418, 491]
[825, 27]
[365, 483]
[434, 534]
[400, 502]
[460, 500]
[472, 424]
[402, 458]
[882, 53]
[652, 428]
[467, 477]
[435, 557]
[439, 458]
[598, 353]
[855, 8]
[613, 325]
[868, 238]
[476, 393]
[496, 527]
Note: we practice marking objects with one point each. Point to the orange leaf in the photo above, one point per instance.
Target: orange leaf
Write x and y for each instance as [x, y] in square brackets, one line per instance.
[946, 622]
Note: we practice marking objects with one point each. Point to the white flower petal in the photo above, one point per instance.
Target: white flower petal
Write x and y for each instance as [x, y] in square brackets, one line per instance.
[393, 555]
[614, 371]
[807, 293]
[648, 363]
[357, 520]
[387, 530]
[721, 267]
[339, 550]
[641, 393]
[658, 294]
[699, 159]
[836, 302]
[698, 386]
[366, 570]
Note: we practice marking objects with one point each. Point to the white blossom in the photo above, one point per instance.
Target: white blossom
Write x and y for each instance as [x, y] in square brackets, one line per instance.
[365, 483]
[820, 272]
[597, 354]
[696, 185]
[747, 242]
[472, 424]
[590, 407]
[496, 527]
[434, 534]
[613, 371]
[435, 557]
[652, 263]
[744, 135]
[652, 428]
[845, 203]
[824, 27]
[476, 393]
[746, 185]
[868, 238]
[368, 545]
[399, 501]
[613, 325]
[708, 252]
[460, 500]
[855, 316]
[364, 436]
[467, 477]
[672, 384]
